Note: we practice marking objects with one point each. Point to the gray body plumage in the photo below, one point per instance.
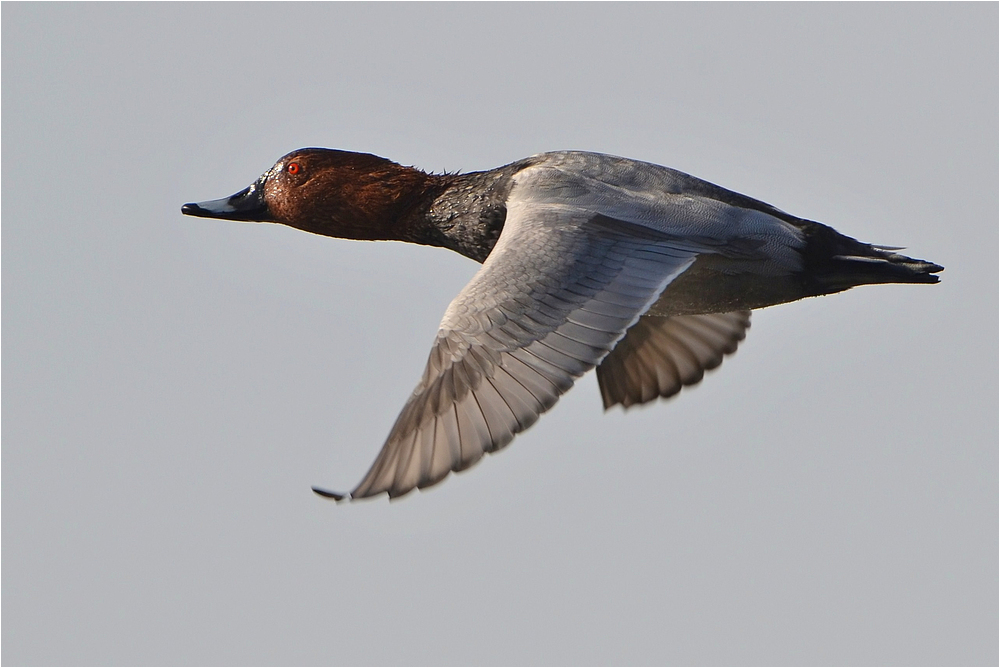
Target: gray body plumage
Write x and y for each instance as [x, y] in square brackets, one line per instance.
[576, 248]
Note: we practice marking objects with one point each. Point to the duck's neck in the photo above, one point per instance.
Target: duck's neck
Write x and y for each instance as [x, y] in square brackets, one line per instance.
[380, 200]
[462, 212]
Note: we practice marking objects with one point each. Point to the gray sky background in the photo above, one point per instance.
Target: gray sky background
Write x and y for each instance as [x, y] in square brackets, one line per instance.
[174, 385]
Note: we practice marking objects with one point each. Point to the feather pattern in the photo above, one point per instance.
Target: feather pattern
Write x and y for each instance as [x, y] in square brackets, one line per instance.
[516, 338]
[659, 356]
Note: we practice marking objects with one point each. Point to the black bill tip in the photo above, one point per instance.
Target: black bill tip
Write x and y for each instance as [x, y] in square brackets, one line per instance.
[192, 209]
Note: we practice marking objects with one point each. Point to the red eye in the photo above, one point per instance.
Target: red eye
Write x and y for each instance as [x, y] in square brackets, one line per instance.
[294, 168]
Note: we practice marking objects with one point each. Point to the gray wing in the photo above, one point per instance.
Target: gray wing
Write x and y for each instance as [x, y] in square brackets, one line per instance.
[559, 290]
[659, 356]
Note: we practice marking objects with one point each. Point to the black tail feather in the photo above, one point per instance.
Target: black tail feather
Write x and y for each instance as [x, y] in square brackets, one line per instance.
[835, 262]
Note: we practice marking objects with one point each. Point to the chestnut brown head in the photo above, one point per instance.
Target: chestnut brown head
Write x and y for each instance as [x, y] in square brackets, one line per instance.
[326, 191]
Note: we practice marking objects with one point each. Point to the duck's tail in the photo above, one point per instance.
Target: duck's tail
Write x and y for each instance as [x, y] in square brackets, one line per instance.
[834, 262]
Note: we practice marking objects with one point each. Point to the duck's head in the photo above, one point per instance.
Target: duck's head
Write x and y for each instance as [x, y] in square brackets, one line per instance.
[326, 191]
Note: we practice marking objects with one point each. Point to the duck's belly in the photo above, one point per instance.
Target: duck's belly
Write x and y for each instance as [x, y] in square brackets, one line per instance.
[707, 287]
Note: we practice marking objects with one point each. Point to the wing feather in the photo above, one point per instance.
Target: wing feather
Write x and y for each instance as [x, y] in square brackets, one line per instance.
[659, 356]
[554, 297]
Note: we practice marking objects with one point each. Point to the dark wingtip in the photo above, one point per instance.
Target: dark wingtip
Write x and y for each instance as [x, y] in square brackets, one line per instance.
[327, 494]
[192, 209]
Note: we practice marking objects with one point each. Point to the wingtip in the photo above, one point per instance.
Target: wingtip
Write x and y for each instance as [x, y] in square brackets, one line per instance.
[327, 494]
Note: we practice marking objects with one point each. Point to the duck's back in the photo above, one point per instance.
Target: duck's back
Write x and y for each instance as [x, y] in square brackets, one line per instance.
[751, 254]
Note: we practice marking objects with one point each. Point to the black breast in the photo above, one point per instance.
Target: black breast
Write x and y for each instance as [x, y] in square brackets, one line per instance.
[469, 216]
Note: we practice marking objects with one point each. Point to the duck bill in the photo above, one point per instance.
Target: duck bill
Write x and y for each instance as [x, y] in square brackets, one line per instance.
[246, 205]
